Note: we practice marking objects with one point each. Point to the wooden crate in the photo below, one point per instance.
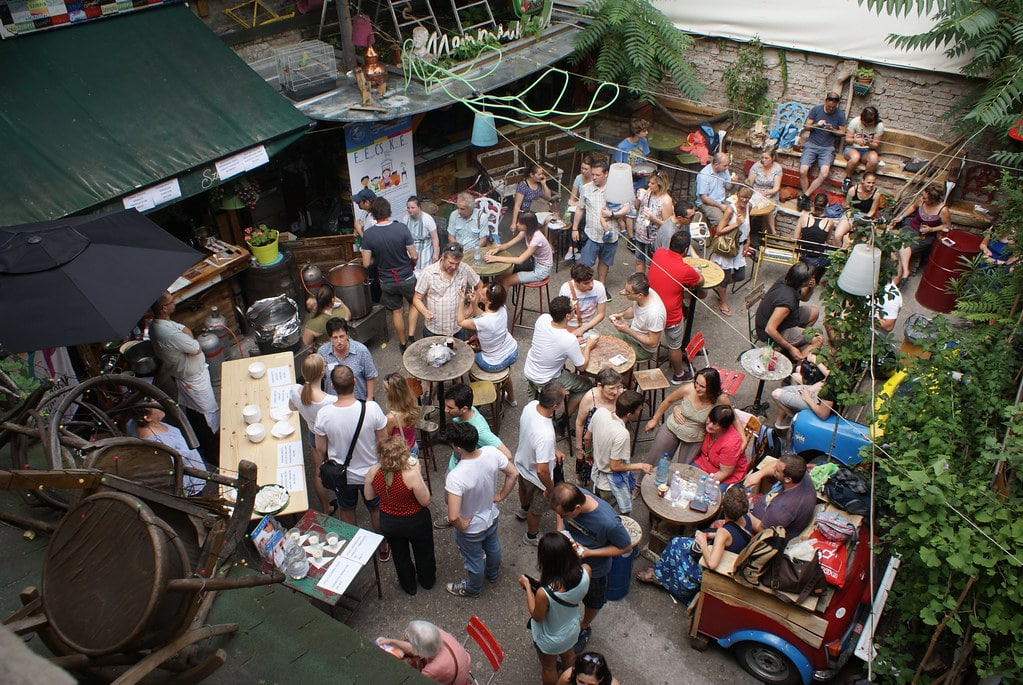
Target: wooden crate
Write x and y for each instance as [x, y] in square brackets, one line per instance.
[325, 252]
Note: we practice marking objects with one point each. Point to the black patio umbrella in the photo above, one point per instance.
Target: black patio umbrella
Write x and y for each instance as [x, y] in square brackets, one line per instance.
[83, 279]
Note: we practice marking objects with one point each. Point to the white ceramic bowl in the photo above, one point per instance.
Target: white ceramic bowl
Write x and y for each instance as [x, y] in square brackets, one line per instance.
[280, 413]
[251, 413]
[257, 369]
[282, 429]
[255, 432]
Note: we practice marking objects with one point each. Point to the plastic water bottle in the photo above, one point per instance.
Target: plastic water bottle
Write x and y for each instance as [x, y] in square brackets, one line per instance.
[701, 490]
[675, 491]
[713, 493]
[663, 467]
[476, 255]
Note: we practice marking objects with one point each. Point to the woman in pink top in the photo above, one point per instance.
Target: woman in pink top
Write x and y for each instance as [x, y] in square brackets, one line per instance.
[433, 652]
[721, 455]
[537, 248]
[403, 411]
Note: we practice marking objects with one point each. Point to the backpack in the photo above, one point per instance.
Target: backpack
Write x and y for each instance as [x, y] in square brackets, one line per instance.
[767, 443]
[849, 491]
[713, 141]
[752, 562]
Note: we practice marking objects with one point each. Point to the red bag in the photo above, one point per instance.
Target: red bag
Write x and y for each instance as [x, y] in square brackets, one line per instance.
[833, 557]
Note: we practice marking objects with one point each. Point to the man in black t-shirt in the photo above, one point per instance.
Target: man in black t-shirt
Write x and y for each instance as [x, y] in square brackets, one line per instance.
[388, 243]
[781, 319]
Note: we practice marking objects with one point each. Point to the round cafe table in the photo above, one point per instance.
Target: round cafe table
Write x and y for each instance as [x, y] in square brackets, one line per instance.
[752, 363]
[608, 346]
[667, 520]
[488, 270]
[415, 363]
[713, 276]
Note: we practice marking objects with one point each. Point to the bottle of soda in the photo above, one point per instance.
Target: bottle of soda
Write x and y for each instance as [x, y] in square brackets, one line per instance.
[663, 467]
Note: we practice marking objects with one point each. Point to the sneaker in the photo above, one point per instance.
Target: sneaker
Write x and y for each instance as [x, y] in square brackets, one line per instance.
[384, 555]
[510, 403]
[441, 523]
[570, 256]
[521, 514]
[846, 184]
[534, 541]
[460, 590]
[493, 580]
[680, 378]
[584, 638]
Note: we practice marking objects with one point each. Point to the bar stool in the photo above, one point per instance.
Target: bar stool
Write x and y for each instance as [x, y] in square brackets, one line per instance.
[426, 429]
[484, 394]
[543, 291]
[497, 379]
[651, 384]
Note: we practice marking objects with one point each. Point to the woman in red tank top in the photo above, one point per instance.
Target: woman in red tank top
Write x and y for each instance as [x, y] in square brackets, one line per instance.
[404, 513]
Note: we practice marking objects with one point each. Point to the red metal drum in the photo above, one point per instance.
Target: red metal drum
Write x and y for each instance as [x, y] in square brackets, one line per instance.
[948, 260]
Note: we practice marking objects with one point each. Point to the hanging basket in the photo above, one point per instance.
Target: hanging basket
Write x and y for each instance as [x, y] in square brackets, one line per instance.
[265, 254]
[862, 87]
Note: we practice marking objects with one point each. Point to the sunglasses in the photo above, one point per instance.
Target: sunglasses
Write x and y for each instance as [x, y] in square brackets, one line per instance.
[831, 99]
[590, 659]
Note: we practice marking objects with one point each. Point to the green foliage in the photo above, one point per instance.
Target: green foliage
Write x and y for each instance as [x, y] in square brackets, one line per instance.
[990, 32]
[783, 70]
[635, 45]
[745, 84]
[16, 369]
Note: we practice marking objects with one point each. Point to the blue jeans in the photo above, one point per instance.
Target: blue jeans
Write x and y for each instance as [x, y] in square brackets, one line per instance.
[593, 251]
[474, 547]
[500, 366]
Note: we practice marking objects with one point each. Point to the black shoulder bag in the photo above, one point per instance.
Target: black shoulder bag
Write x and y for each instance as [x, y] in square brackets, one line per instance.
[333, 475]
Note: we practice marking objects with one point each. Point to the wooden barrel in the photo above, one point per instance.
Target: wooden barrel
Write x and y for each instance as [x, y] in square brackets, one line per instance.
[105, 575]
[273, 280]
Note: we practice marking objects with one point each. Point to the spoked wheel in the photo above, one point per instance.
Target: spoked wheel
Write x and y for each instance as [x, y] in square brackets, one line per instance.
[767, 664]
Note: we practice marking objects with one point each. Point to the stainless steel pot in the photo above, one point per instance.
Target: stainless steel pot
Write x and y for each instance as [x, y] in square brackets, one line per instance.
[351, 284]
[141, 358]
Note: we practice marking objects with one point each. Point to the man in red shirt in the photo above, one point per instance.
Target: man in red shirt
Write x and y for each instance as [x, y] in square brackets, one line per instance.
[670, 277]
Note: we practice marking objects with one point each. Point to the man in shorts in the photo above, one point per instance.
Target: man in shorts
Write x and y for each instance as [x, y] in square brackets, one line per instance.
[712, 186]
[642, 323]
[389, 244]
[826, 124]
[335, 430]
[614, 478]
[600, 244]
[552, 345]
[535, 458]
[781, 319]
[671, 278]
[600, 535]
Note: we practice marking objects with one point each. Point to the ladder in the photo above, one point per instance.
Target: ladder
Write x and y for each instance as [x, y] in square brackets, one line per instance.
[488, 22]
[404, 16]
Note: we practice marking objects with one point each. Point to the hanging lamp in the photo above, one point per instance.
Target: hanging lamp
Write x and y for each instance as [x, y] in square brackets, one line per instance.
[861, 271]
[484, 130]
[619, 188]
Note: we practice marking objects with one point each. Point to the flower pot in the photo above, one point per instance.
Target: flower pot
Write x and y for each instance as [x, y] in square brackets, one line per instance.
[265, 254]
[862, 87]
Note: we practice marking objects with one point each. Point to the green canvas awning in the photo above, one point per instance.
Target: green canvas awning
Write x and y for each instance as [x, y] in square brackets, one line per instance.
[91, 113]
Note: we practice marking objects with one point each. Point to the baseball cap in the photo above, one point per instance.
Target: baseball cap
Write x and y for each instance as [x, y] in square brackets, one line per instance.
[364, 195]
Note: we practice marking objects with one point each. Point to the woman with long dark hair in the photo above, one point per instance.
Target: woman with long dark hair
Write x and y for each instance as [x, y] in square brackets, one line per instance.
[590, 669]
[322, 306]
[685, 424]
[554, 603]
[534, 185]
[535, 262]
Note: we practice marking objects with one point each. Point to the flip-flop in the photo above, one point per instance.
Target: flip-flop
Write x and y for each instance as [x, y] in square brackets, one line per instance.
[725, 310]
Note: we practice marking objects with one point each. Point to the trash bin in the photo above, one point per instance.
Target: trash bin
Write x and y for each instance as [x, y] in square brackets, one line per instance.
[619, 580]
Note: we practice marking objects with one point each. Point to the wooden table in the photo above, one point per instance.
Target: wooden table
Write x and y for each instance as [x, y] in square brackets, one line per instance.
[239, 389]
[608, 346]
[713, 276]
[751, 362]
[321, 524]
[415, 363]
[666, 520]
[485, 270]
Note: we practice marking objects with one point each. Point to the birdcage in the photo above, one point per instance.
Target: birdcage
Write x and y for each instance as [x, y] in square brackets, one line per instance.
[306, 69]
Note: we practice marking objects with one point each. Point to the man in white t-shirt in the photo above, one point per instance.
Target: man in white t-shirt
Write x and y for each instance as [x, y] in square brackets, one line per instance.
[472, 507]
[535, 457]
[588, 297]
[888, 307]
[335, 426]
[642, 323]
[613, 473]
[552, 345]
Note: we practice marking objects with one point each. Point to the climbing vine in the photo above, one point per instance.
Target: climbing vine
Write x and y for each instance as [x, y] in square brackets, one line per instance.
[746, 86]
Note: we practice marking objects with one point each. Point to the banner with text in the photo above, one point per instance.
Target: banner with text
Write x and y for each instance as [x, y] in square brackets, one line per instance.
[380, 157]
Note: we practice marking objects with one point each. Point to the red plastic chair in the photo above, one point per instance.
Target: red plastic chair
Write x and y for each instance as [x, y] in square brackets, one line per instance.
[485, 639]
[730, 380]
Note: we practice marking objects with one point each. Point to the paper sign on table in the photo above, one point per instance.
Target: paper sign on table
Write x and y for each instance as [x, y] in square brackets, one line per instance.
[279, 396]
[289, 454]
[339, 575]
[291, 478]
[618, 359]
[279, 375]
[362, 546]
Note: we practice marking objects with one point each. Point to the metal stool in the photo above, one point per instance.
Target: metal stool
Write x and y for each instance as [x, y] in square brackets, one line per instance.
[427, 429]
[651, 384]
[497, 379]
[543, 291]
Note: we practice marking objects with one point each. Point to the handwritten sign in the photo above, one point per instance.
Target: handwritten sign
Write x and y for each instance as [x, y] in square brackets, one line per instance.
[279, 375]
[280, 395]
[289, 454]
[362, 546]
[291, 478]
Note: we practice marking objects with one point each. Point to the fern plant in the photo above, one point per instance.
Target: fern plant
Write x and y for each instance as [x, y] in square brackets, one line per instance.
[746, 86]
[635, 45]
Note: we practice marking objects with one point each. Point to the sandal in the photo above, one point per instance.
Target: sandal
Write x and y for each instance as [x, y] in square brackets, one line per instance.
[724, 310]
[647, 576]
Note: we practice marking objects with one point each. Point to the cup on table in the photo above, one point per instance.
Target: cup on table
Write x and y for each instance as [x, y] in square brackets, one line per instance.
[331, 539]
[251, 413]
[257, 369]
[255, 432]
[313, 539]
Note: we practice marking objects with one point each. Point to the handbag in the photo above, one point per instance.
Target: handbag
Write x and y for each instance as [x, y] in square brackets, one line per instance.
[334, 476]
[725, 244]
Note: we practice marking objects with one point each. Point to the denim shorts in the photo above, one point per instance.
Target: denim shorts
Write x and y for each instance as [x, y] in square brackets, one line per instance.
[592, 251]
[494, 368]
[824, 155]
[644, 251]
[538, 273]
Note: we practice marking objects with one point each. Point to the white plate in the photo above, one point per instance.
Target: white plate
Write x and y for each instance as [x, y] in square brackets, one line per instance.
[282, 429]
[280, 413]
[271, 499]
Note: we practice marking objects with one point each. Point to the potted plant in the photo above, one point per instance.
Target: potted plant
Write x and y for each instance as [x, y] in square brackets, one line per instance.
[863, 78]
[262, 242]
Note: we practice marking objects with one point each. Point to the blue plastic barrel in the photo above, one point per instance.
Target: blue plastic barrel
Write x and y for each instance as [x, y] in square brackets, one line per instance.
[620, 579]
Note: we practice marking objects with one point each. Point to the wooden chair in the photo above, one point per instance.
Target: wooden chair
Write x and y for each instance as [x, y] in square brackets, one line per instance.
[696, 346]
[752, 302]
[485, 639]
[730, 380]
[485, 395]
[775, 250]
[497, 379]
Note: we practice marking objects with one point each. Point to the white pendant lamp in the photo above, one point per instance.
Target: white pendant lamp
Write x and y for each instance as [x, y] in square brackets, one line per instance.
[619, 184]
[860, 274]
[484, 130]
